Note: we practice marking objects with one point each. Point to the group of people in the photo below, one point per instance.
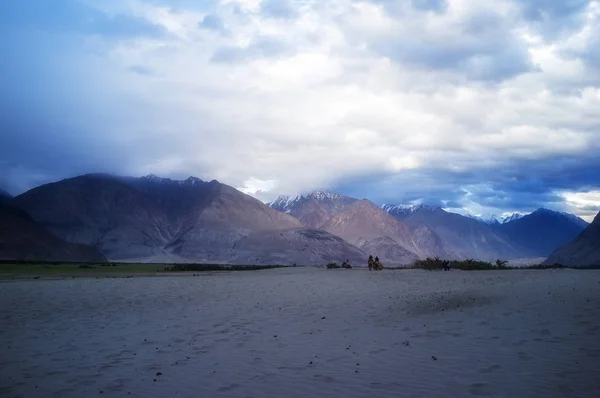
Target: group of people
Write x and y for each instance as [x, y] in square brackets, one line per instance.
[374, 264]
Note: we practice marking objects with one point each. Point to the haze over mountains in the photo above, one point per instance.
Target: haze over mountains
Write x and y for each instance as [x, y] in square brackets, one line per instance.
[153, 219]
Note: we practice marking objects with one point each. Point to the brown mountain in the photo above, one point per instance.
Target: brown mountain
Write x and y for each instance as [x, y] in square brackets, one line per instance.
[584, 250]
[21, 238]
[210, 226]
[101, 211]
[377, 232]
[158, 219]
[300, 246]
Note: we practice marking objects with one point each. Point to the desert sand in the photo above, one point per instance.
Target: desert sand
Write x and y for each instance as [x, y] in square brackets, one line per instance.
[304, 332]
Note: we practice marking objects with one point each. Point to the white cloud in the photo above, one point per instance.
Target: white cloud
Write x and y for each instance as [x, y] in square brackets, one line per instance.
[585, 204]
[340, 89]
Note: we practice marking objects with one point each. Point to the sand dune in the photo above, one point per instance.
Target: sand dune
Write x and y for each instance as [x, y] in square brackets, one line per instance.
[304, 332]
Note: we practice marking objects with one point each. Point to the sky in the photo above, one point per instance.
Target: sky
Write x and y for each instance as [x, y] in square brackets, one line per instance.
[479, 106]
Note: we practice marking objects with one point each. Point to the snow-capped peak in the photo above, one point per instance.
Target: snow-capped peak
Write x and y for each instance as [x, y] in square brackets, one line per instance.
[512, 217]
[405, 210]
[191, 181]
[399, 208]
[322, 195]
[284, 203]
[154, 179]
[492, 219]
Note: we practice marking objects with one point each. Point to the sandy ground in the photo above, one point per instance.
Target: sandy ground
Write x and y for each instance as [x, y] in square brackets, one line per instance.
[304, 333]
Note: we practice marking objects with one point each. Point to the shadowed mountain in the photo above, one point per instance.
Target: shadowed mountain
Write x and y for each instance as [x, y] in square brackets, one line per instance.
[462, 237]
[313, 210]
[584, 250]
[101, 211]
[5, 197]
[542, 231]
[21, 238]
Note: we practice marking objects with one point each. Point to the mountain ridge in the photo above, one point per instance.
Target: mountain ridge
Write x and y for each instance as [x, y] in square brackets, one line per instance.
[197, 220]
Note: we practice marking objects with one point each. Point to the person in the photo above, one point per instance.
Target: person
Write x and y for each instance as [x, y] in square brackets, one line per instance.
[446, 265]
[377, 264]
[370, 263]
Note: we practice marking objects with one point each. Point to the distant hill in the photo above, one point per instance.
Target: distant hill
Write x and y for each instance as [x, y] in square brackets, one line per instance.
[462, 237]
[21, 238]
[542, 231]
[584, 250]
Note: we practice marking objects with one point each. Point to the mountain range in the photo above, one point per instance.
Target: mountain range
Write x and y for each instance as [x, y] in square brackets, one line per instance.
[154, 219]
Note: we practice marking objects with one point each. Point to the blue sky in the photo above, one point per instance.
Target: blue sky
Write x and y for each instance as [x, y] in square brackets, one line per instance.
[479, 106]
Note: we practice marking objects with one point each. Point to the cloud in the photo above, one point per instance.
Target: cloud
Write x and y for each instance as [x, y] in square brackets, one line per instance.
[278, 8]
[486, 106]
[261, 47]
[212, 21]
[72, 16]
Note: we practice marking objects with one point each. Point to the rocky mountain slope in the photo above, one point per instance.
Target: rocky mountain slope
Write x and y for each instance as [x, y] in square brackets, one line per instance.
[192, 220]
[21, 238]
[160, 219]
[100, 211]
[584, 250]
[365, 225]
[462, 237]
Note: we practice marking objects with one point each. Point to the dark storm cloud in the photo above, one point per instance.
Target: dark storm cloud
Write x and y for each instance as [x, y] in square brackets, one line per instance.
[520, 186]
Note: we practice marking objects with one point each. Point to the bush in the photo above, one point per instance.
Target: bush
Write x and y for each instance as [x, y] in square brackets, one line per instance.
[466, 265]
[217, 267]
[333, 266]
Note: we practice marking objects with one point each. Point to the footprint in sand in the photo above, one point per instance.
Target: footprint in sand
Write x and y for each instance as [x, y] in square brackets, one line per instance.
[490, 369]
[480, 389]
[523, 356]
[228, 388]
